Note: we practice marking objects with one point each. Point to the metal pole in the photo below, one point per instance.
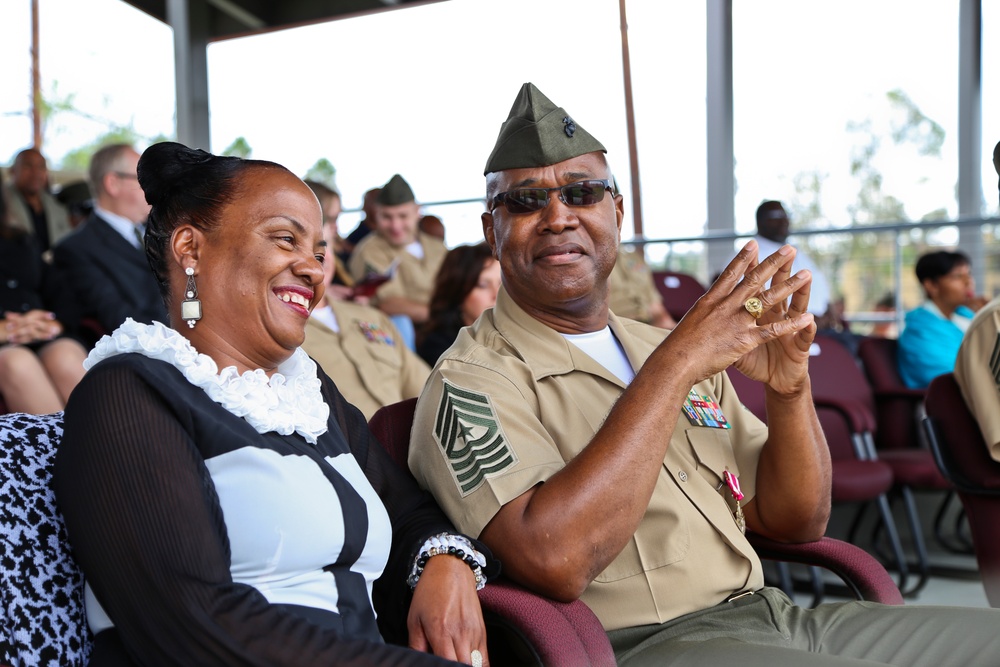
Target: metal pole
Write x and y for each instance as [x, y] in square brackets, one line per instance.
[36, 80]
[633, 148]
[719, 140]
[970, 131]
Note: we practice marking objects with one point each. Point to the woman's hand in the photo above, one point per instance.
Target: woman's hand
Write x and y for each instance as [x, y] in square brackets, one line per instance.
[34, 325]
[719, 330]
[445, 617]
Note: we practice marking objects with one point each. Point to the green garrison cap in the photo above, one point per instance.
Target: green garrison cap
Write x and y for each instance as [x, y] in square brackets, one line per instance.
[537, 133]
[396, 191]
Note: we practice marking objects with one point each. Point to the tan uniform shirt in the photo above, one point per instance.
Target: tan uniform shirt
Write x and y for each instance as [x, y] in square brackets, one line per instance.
[633, 292]
[977, 372]
[367, 359]
[414, 278]
[56, 216]
[512, 401]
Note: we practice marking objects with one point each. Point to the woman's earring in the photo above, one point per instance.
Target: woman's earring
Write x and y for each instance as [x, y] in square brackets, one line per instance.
[191, 306]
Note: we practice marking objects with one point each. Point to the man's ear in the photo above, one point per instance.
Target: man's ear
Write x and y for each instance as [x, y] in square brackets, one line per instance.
[111, 184]
[489, 234]
[620, 212]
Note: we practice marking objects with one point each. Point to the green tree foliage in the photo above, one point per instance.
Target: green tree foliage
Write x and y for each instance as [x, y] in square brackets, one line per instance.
[78, 159]
[239, 148]
[323, 172]
[860, 266]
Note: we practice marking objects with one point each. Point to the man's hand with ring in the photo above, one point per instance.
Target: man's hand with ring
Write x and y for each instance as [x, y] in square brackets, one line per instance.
[754, 307]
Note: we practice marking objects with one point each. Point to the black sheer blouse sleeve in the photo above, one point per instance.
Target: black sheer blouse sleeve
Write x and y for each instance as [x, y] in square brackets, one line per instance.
[147, 528]
[414, 513]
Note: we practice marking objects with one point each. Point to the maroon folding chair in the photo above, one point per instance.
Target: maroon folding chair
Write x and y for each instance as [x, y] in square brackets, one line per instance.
[839, 384]
[896, 405]
[898, 412]
[527, 629]
[855, 479]
[963, 458]
[679, 291]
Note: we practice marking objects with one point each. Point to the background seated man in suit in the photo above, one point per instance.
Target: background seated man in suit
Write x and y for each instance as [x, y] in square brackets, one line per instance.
[611, 460]
[104, 260]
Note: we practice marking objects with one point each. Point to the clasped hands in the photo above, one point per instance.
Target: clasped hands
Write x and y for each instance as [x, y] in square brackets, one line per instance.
[770, 345]
[34, 325]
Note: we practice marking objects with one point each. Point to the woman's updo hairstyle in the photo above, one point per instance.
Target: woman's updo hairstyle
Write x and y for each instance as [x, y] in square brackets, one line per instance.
[185, 186]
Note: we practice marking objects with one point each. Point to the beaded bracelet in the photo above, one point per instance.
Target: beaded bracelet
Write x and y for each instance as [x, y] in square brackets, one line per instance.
[451, 545]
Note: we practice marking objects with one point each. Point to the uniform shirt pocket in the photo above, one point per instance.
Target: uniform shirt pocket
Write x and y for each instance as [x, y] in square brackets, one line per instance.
[714, 452]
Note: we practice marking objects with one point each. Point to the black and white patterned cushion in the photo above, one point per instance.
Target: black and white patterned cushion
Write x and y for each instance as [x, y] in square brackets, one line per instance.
[42, 619]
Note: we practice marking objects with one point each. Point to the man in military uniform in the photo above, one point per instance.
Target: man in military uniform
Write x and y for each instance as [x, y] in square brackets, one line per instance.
[977, 367]
[397, 242]
[360, 348]
[542, 430]
[633, 291]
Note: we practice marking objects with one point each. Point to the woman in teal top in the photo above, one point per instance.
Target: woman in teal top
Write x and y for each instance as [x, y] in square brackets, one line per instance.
[933, 331]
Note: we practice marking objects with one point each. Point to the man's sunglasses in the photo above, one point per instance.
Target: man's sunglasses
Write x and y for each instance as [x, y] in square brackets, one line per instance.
[527, 200]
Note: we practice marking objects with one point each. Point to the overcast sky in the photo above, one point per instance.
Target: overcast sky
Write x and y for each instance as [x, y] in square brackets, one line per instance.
[423, 91]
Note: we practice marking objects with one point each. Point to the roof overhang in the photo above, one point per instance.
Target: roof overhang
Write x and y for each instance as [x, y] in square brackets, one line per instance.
[227, 19]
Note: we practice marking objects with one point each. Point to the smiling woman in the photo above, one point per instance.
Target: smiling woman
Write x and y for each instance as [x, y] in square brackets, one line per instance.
[247, 515]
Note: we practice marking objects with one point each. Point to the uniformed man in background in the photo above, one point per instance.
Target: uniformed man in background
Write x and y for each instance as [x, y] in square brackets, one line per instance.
[399, 246]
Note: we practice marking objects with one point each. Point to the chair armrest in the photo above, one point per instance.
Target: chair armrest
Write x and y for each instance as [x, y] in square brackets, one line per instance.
[914, 395]
[562, 634]
[858, 416]
[856, 567]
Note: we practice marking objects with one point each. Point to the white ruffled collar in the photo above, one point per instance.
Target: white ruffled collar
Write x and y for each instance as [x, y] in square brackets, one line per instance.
[289, 401]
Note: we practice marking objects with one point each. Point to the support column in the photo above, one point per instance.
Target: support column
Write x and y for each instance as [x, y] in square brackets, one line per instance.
[189, 20]
[970, 131]
[719, 130]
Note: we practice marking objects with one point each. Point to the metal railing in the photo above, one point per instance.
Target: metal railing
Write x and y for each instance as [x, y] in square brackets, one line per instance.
[682, 250]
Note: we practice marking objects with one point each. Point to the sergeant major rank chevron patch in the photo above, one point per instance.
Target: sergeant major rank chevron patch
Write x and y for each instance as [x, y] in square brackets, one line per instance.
[469, 433]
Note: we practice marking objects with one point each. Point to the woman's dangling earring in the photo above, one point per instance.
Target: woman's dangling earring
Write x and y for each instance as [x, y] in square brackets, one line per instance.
[191, 305]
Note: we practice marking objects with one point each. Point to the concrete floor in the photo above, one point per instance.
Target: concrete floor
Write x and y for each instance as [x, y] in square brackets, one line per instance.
[954, 580]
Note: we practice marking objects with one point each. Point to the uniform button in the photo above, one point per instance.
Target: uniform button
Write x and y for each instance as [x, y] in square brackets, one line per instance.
[12, 283]
[683, 476]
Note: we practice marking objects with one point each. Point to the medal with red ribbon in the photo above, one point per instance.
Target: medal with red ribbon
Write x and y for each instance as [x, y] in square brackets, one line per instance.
[734, 487]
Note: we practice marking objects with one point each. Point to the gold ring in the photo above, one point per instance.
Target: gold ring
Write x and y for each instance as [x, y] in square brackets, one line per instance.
[754, 307]
[477, 658]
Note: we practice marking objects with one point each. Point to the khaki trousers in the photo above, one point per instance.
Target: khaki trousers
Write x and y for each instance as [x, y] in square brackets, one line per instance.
[768, 630]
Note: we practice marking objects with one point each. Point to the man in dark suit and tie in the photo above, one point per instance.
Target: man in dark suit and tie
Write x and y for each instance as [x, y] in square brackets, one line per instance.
[104, 260]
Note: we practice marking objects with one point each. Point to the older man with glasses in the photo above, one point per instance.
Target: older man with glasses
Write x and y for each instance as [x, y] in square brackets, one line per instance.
[104, 259]
[606, 459]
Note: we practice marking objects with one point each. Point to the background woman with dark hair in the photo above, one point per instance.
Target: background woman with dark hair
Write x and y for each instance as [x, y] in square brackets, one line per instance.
[932, 333]
[39, 363]
[467, 284]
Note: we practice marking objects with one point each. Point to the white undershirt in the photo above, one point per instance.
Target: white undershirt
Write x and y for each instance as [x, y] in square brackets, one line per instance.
[325, 314]
[604, 348]
[416, 249]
